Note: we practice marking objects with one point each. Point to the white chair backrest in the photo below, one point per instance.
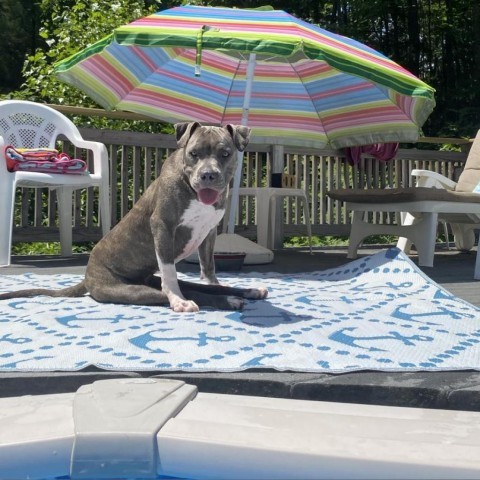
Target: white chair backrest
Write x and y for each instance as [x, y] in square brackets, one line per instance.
[32, 125]
[470, 177]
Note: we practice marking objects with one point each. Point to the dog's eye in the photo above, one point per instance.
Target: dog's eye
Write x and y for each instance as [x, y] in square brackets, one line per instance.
[193, 153]
[225, 153]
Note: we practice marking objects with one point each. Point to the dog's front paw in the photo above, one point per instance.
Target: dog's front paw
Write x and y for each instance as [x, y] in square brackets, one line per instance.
[181, 305]
[256, 293]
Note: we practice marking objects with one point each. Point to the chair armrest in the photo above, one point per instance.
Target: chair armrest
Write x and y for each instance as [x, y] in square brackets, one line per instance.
[427, 178]
[100, 155]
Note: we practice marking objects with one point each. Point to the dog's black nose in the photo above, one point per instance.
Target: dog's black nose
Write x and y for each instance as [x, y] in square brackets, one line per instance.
[209, 176]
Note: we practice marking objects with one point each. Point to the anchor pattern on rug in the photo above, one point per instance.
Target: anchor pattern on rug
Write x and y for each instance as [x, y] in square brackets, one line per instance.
[379, 312]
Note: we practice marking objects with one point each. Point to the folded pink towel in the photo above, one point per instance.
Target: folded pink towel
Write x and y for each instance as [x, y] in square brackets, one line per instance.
[43, 160]
[380, 151]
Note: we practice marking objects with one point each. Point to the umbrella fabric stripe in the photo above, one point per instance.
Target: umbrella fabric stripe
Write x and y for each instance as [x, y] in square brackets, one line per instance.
[182, 100]
[175, 111]
[282, 133]
[181, 67]
[339, 131]
[382, 116]
[120, 60]
[99, 92]
[319, 71]
[271, 23]
[339, 102]
[262, 120]
[275, 20]
[271, 44]
[102, 75]
[111, 69]
[259, 101]
[412, 107]
[120, 84]
[327, 87]
[278, 29]
[381, 129]
[178, 80]
[366, 110]
[179, 107]
[201, 92]
[200, 111]
[406, 104]
[146, 59]
[368, 115]
[162, 112]
[179, 75]
[177, 85]
[388, 77]
[74, 59]
[222, 65]
[389, 119]
[280, 73]
[350, 90]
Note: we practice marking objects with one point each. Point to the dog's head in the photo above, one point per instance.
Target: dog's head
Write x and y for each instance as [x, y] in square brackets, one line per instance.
[210, 156]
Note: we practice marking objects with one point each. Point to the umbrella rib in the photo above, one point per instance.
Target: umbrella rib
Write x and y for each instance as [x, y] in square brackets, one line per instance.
[311, 101]
[234, 76]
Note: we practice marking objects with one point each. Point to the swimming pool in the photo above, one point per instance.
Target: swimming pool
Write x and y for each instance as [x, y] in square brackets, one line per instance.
[158, 428]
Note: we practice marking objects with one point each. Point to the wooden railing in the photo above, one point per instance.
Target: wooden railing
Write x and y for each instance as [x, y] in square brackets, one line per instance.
[136, 159]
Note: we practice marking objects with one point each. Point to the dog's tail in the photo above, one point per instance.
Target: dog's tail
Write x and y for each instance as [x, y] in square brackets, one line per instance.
[78, 290]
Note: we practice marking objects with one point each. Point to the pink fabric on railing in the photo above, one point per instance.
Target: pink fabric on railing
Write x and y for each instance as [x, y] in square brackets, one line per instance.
[43, 160]
[380, 151]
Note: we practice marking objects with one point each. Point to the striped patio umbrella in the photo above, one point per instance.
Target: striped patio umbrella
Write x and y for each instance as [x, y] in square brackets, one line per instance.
[307, 86]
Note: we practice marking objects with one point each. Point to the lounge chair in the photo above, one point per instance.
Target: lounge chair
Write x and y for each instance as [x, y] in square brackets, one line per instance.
[434, 199]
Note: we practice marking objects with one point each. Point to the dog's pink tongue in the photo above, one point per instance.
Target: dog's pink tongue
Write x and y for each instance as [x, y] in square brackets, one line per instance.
[208, 196]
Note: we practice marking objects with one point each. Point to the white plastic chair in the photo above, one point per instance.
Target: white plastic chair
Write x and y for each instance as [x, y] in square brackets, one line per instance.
[32, 125]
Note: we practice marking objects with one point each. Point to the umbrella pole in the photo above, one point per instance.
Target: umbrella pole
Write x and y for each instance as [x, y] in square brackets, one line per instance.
[238, 173]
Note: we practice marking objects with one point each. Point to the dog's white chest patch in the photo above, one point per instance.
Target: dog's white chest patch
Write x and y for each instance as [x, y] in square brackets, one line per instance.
[200, 218]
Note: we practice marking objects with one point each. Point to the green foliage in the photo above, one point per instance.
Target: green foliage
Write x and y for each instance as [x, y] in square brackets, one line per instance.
[67, 27]
[317, 241]
[47, 248]
[334, 241]
[16, 19]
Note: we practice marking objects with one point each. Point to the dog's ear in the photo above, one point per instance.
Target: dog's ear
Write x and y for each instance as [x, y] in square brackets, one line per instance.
[240, 135]
[183, 131]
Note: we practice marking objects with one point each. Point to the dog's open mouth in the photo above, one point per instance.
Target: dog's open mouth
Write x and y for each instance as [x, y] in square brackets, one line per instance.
[208, 196]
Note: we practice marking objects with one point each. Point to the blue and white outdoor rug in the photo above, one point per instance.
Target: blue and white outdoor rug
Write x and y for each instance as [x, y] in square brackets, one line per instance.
[378, 313]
